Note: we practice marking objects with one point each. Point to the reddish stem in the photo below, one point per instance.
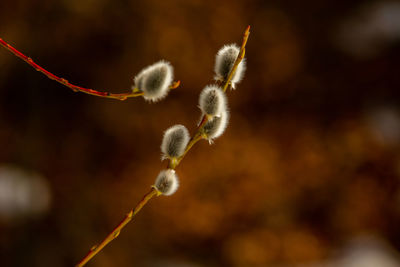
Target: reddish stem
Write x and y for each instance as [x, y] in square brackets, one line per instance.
[65, 82]
[114, 233]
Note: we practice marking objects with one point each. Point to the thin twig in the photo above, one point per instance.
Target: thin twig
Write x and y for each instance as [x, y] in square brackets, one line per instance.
[171, 165]
[114, 233]
[75, 88]
[199, 133]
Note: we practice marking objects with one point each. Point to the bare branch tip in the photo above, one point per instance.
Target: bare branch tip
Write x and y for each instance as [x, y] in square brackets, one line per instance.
[175, 85]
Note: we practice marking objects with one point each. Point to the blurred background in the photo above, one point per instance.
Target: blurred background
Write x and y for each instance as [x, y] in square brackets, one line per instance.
[307, 173]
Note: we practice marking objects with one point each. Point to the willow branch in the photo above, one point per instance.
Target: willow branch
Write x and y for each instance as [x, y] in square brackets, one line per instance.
[115, 233]
[75, 88]
[172, 164]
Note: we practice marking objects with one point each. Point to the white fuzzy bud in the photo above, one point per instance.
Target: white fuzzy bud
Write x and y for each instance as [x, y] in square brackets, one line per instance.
[215, 127]
[224, 62]
[154, 81]
[167, 182]
[212, 100]
[174, 141]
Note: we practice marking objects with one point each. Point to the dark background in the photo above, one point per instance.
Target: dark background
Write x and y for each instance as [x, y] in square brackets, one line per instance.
[307, 172]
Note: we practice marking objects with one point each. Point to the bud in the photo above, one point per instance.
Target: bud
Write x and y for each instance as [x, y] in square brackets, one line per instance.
[224, 62]
[212, 100]
[154, 81]
[174, 142]
[167, 182]
[215, 127]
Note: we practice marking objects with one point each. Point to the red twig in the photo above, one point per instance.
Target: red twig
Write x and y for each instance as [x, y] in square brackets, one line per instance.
[73, 87]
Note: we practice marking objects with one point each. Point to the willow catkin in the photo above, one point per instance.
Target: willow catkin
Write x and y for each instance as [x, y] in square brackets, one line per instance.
[215, 127]
[224, 62]
[154, 81]
[212, 100]
[167, 182]
[174, 142]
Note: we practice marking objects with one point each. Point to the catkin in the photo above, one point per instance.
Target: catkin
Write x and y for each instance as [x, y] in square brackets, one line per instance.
[174, 141]
[154, 81]
[167, 182]
[212, 100]
[224, 62]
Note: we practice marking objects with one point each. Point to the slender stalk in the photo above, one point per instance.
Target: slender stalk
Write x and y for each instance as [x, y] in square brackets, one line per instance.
[199, 133]
[239, 58]
[75, 88]
[172, 164]
[114, 233]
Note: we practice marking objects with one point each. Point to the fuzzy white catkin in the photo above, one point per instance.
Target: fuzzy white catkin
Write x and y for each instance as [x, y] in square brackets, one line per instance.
[167, 182]
[212, 100]
[154, 81]
[224, 62]
[215, 127]
[174, 141]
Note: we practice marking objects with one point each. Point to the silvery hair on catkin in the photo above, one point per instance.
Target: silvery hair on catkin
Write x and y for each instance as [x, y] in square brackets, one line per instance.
[154, 81]
[215, 127]
[224, 62]
[212, 100]
[174, 142]
[167, 182]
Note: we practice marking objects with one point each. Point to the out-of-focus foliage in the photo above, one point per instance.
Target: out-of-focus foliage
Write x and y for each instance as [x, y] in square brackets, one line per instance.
[309, 162]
